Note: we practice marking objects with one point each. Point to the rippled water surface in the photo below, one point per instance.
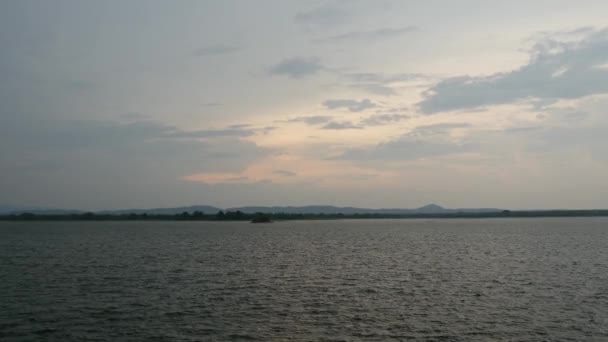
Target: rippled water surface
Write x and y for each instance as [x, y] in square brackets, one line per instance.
[435, 280]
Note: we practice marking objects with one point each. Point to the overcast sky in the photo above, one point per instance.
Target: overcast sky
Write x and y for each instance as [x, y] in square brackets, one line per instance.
[152, 103]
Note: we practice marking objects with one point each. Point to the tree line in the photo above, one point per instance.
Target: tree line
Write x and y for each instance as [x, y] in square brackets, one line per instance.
[241, 216]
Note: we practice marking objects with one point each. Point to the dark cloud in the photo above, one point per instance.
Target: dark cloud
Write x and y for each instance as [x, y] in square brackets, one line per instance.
[383, 119]
[215, 50]
[32, 132]
[95, 132]
[68, 135]
[341, 125]
[557, 70]
[351, 105]
[284, 173]
[109, 159]
[311, 120]
[297, 67]
[371, 35]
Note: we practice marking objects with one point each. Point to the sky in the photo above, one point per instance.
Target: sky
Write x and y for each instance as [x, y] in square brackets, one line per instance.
[152, 103]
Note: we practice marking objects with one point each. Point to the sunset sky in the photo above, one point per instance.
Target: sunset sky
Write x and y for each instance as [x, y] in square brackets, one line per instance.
[124, 103]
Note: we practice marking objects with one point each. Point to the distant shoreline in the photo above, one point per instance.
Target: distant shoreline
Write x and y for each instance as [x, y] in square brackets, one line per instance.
[239, 216]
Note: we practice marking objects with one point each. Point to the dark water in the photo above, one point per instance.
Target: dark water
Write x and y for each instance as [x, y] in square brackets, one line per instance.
[365, 280]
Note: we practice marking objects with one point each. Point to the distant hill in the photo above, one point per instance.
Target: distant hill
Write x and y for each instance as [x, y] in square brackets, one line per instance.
[7, 209]
[206, 209]
[431, 209]
[15, 210]
[328, 209]
[309, 209]
[210, 210]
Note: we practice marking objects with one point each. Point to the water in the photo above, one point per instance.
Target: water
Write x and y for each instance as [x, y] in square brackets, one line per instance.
[352, 280]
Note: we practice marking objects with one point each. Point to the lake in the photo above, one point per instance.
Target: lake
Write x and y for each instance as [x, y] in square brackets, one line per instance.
[540, 279]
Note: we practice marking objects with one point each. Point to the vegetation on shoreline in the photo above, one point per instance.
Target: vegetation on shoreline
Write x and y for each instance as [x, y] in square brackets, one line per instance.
[240, 216]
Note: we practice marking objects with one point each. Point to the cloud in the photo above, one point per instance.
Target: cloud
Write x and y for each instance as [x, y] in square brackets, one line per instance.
[216, 50]
[323, 16]
[240, 126]
[81, 85]
[284, 173]
[133, 149]
[602, 66]
[219, 178]
[587, 139]
[312, 120]
[341, 125]
[427, 141]
[351, 105]
[97, 132]
[381, 84]
[436, 131]
[227, 132]
[372, 77]
[406, 148]
[212, 104]
[580, 127]
[297, 67]
[239, 179]
[371, 35]
[441, 127]
[376, 89]
[383, 119]
[266, 130]
[105, 164]
[570, 115]
[134, 116]
[558, 69]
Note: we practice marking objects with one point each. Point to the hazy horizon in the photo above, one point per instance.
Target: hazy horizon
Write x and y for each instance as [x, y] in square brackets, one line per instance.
[17, 208]
[373, 104]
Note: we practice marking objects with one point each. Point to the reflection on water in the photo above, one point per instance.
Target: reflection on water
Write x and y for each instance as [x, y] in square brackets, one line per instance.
[450, 280]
